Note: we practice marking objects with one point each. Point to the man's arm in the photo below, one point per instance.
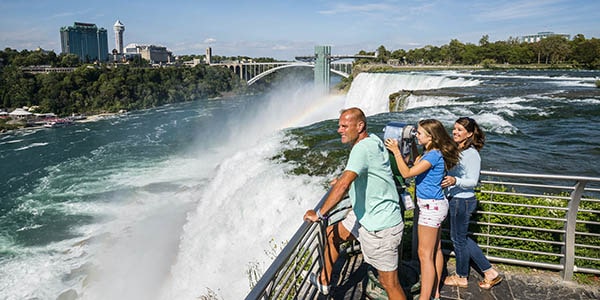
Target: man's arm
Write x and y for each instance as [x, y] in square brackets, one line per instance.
[338, 191]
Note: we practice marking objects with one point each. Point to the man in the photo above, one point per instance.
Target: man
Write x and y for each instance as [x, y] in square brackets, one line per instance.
[375, 220]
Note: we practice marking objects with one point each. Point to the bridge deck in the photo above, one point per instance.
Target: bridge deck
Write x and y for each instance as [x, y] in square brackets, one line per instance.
[351, 275]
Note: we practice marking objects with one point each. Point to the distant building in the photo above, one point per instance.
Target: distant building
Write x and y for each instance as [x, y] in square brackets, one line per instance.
[119, 28]
[541, 35]
[20, 113]
[43, 51]
[152, 53]
[208, 57]
[192, 63]
[85, 40]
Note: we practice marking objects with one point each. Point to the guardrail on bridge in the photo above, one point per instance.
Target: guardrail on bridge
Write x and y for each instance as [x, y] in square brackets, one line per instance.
[568, 207]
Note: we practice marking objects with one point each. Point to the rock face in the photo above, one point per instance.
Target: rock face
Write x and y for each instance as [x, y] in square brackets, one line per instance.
[397, 100]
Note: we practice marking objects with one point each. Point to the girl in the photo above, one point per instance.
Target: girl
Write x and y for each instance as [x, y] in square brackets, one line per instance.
[440, 154]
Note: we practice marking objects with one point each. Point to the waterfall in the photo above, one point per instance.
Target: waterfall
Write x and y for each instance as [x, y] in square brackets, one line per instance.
[370, 91]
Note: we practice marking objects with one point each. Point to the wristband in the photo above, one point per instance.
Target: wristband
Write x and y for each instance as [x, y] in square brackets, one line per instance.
[320, 216]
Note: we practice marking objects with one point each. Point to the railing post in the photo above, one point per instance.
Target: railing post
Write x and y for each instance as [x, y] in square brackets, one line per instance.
[322, 241]
[568, 261]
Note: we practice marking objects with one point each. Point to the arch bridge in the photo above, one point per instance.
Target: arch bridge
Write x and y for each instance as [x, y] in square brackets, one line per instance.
[322, 62]
[251, 72]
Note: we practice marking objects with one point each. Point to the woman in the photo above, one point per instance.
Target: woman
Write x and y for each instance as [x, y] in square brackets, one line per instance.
[460, 184]
[440, 154]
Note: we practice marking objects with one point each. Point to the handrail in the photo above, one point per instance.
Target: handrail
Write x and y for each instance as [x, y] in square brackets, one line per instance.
[286, 277]
[305, 242]
[530, 183]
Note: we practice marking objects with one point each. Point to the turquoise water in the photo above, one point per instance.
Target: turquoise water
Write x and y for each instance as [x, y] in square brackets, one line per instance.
[178, 201]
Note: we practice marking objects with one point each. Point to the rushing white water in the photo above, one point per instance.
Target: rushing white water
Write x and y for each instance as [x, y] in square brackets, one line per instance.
[370, 91]
[249, 202]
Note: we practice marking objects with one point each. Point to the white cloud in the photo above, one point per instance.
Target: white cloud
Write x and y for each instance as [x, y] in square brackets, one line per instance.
[364, 8]
[280, 47]
[518, 10]
[210, 41]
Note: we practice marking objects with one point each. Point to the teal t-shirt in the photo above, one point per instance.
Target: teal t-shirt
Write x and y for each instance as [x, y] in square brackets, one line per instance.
[373, 193]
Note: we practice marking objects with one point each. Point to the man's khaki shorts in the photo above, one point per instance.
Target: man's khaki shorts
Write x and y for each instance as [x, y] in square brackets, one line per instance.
[379, 248]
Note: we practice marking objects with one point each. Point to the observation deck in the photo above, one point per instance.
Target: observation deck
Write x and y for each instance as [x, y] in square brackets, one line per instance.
[542, 229]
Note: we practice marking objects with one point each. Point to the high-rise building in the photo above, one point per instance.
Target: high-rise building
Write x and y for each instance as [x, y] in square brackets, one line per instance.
[119, 29]
[85, 40]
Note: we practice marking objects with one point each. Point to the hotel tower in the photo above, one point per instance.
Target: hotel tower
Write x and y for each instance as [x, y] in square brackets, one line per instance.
[119, 29]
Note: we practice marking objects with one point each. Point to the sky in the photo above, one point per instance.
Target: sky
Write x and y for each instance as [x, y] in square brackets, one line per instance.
[287, 28]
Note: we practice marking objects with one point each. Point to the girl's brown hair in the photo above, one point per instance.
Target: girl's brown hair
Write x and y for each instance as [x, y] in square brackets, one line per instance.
[442, 141]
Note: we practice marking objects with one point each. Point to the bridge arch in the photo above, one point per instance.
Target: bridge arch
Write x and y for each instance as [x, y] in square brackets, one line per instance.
[307, 65]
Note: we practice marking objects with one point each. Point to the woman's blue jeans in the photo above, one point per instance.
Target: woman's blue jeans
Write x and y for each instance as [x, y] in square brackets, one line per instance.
[465, 248]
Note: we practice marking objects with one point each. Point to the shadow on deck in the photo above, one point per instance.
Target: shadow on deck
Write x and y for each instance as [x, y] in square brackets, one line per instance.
[515, 285]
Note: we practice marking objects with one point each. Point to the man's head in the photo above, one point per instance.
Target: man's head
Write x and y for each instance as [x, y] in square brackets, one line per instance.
[352, 125]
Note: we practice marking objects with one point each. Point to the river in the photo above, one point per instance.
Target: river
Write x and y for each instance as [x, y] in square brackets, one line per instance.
[184, 200]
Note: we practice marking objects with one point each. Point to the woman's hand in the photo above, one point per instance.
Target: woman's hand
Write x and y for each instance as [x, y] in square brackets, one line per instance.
[392, 145]
[448, 181]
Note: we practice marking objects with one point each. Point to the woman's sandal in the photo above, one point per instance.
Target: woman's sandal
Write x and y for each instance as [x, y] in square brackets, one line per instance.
[487, 284]
[453, 280]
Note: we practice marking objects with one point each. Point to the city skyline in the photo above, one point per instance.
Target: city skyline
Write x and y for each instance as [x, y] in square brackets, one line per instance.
[283, 30]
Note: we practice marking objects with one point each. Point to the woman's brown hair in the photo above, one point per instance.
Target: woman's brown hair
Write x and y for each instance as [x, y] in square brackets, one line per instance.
[476, 140]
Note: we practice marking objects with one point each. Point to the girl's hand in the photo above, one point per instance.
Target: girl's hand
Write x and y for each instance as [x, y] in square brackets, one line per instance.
[392, 145]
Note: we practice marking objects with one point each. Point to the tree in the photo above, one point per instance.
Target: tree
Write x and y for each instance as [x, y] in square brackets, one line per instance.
[484, 41]
[470, 54]
[400, 55]
[455, 51]
[416, 56]
[382, 55]
[68, 60]
[587, 53]
[554, 49]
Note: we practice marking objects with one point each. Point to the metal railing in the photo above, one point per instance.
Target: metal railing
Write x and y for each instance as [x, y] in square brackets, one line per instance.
[510, 206]
[554, 220]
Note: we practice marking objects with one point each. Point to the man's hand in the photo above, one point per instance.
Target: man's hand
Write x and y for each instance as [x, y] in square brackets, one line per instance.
[311, 216]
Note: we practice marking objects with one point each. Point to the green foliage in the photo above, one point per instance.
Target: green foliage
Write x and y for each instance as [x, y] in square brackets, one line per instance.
[598, 83]
[210, 295]
[488, 63]
[4, 126]
[320, 153]
[102, 89]
[534, 213]
[554, 50]
[345, 83]
[300, 263]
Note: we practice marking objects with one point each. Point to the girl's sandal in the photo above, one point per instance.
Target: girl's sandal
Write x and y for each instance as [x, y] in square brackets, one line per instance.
[487, 284]
[453, 280]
